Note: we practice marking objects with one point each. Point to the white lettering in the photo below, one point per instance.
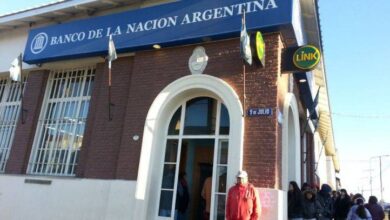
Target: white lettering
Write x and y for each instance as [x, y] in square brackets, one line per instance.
[218, 13]
[91, 34]
[240, 7]
[186, 19]
[60, 40]
[68, 38]
[271, 3]
[149, 25]
[227, 10]
[196, 17]
[258, 6]
[152, 24]
[117, 31]
[74, 38]
[53, 41]
[166, 22]
[172, 21]
[162, 23]
[99, 33]
[207, 15]
[81, 36]
[130, 28]
[139, 27]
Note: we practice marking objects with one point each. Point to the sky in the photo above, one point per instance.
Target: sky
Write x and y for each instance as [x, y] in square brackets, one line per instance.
[7, 6]
[356, 37]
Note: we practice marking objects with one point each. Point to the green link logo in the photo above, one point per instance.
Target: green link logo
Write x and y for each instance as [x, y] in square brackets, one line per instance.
[306, 57]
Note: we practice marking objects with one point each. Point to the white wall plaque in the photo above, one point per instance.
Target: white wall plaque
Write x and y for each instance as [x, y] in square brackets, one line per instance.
[198, 60]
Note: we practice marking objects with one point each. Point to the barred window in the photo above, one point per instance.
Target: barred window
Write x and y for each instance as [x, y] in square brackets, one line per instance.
[61, 124]
[9, 114]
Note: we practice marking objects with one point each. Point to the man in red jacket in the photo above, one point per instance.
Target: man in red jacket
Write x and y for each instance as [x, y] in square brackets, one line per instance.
[243, 202]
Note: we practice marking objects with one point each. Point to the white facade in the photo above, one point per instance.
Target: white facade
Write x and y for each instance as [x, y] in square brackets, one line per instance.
[12, 43]
[324, 164]
[331, 174]
[65, 198]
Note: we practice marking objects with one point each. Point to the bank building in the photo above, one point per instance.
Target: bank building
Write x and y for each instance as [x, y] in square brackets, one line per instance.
[85, 141]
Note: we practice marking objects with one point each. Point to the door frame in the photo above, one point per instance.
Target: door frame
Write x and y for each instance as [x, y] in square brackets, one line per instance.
[162, 107]
[216, 137]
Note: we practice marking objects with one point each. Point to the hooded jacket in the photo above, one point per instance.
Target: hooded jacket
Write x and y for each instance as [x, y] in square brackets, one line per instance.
[376, 211]
[342, 206]
[295, 206]
[325, 202]
[310, 207]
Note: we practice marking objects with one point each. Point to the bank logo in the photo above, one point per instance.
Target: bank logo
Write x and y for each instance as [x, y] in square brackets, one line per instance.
[39, 42]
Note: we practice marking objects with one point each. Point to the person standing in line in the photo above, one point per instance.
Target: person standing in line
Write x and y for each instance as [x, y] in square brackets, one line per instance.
[182, 197]
[243, 202]
[357, 211]
[326, 203]
[342, 205]
[375, 209]
[310, 205]
[316, 187]
[334, 196]
[294, 198]
[305, 186]
[206, 195]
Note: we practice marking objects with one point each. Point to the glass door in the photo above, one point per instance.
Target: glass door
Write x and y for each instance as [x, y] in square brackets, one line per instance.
[193, 182]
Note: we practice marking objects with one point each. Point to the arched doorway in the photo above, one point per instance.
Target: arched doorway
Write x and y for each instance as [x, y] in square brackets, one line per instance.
[195, 161]
[291, 153]
[155, 140]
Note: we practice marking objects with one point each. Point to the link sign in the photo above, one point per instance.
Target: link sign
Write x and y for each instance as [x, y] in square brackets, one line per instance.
[306, 57]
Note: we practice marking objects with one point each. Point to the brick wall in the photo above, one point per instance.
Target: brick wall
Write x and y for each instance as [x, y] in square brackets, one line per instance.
[108, 150]
[102, 138]
[24, 133]
[153, 70]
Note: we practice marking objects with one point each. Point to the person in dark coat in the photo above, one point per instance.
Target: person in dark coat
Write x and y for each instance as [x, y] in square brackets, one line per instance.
[376, 210]
[326, 203]
[342, 205]
[316, 187]
[310, 205]
[335, 195]
[305, 186]
[182, 197]
[294, 198]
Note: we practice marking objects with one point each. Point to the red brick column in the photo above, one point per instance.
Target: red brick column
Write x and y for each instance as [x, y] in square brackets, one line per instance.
[102, 138]
[261, 138]
[24, 134]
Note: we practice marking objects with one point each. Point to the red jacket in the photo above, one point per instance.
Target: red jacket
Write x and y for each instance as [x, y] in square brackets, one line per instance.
[243, 203]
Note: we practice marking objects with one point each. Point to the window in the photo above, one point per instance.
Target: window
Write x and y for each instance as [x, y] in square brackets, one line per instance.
[197, 129]
[9, 113]
[61, 123]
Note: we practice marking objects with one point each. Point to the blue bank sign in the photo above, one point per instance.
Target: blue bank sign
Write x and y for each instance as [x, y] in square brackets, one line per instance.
[170, 24]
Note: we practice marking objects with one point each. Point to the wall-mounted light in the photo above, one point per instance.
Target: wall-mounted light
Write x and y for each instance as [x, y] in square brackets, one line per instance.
[302, 80]
[156, 46]
[135, 137]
